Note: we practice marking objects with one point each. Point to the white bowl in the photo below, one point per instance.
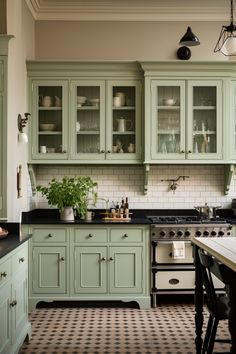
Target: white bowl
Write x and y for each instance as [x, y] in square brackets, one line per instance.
[47, 127]
[169, 101]
[94, 101]
[81, 99]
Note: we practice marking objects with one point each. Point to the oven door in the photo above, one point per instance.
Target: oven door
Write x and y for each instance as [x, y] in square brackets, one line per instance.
[164, 253]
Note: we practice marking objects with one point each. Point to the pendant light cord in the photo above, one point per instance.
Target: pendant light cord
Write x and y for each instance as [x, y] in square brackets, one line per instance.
[232, 12]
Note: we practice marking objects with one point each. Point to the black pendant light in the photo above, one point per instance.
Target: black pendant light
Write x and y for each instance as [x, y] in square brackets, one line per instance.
[226, 43]
[189, 39]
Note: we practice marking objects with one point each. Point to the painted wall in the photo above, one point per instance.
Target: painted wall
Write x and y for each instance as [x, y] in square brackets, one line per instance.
[20, 24]
[122, 40]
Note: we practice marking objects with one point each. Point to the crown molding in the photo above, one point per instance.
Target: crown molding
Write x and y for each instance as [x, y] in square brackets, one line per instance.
[116, 10]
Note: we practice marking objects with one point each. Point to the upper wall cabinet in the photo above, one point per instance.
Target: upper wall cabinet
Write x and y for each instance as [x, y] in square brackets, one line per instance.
[85, 112]
[187, 112]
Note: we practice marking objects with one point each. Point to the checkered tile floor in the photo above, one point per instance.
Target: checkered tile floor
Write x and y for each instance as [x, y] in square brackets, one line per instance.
[167, 329]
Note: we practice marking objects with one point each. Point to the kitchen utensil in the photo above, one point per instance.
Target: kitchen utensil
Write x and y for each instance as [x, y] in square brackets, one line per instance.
[207, 211]
[45, 101]
[122, 125]
[47, 127]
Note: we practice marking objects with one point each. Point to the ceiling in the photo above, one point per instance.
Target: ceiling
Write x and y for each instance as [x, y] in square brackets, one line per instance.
[130, 10]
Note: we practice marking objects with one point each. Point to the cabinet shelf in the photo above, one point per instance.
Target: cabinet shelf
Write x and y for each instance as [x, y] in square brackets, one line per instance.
[88, 108]
[88, 132]
[168, 132]
[129, 132]
[169, 108]
[49, 108]
[123, 108]
[204, 108]
[206, 132]
[50, 133]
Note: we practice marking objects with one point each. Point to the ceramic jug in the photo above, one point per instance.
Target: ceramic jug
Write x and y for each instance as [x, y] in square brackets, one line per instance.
[123, 125]
[45, 101]
[57, 101]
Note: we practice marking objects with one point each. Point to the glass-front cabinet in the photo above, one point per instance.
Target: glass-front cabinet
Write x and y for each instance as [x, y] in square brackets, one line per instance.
[186, 119]
[106, 119]
[49, 120]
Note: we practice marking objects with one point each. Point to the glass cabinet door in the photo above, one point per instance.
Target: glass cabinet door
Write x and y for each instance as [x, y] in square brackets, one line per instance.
[48, 120]
[123, 122]
[204, 120]
[168, 119]
[88, 119]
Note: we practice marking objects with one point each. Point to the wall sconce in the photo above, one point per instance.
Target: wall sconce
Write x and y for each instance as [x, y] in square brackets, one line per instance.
[22, 137]
[226, 43]
[189, 39]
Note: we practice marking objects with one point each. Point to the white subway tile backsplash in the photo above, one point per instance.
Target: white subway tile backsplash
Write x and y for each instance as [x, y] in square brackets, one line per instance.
[205, 184]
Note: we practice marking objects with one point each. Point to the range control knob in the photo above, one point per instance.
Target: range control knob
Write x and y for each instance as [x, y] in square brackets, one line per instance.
[221, 233]
[172, 233]
[187, 233]
[162, 233]
[198, 233]
[213, 233]
[180, 233]
[206, 233]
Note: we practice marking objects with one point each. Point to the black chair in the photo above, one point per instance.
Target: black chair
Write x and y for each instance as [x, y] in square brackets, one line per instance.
[217, 305]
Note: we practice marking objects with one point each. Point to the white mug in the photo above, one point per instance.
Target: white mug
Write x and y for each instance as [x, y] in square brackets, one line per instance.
[89, 215]
[47, 101]
[121, 95]
[43, 149]
[117, 102]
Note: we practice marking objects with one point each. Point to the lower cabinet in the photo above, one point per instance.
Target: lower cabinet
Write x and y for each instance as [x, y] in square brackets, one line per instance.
[14, 325]
[89, 263]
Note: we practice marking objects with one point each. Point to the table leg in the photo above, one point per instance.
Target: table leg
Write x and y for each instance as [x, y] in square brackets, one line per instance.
[198, 298]
[232, 314]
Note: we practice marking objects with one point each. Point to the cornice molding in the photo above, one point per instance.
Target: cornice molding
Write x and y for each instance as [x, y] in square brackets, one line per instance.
[141, 10]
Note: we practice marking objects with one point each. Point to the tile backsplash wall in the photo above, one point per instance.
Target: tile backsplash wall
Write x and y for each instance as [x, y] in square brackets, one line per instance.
[205, 184]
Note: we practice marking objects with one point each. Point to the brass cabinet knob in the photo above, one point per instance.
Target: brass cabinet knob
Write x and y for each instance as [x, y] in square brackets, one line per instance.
[90, 235]
[102, 152]
[111, 259]
[182, 151]
[13, 303]
[3, 275]
[21, 259]
[108, 151]
[62, 259]
[103, 259]
[125, 236]
[49, 235]
[189, 151]
[64, 151]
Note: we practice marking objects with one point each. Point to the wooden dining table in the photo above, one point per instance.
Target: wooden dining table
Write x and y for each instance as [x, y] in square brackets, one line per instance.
[224, 251]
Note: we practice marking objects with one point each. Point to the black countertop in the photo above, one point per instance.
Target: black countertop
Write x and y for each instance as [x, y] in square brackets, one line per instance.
[139, 216]
[13, 239]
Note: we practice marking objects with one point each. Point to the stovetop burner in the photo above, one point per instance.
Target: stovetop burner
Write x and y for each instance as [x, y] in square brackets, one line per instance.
[184, 220]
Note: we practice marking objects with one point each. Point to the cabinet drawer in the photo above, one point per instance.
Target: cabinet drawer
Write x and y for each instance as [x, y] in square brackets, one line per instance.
[5, 271]
[126, 235]
[175, 280]
[87, 235]
[49, 235]
[20, 260]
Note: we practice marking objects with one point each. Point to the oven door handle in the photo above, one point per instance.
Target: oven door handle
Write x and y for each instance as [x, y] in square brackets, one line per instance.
[169, 242]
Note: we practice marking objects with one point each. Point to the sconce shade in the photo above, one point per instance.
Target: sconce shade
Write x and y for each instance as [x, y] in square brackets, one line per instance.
[226, 43]
[189, 39]
[22, 138]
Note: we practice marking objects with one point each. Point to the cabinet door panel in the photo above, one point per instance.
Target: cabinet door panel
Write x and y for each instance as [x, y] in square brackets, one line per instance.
[90, 270]
[126, 270]
[20, 310]
[5, 319]
[49, 270]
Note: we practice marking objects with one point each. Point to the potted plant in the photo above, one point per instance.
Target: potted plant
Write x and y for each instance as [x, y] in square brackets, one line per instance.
[70, 194]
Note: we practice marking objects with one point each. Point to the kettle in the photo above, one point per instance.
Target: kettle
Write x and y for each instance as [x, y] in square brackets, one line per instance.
[207, 211]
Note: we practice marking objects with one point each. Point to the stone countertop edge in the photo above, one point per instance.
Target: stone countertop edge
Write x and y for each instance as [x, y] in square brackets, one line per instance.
[11, 242]
[42, 221]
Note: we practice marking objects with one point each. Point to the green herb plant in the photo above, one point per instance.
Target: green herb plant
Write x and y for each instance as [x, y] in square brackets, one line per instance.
[75, 192]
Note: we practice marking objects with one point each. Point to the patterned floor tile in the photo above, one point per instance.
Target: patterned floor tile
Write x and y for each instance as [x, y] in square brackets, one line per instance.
[167, 329]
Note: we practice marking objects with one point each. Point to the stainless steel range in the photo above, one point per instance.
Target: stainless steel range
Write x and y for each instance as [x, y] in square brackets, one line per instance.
[172, 260]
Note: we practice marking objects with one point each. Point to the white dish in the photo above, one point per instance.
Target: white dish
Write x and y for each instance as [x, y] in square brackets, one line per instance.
[94, 101]
[81, 99]
[47, 127]
[169, 101]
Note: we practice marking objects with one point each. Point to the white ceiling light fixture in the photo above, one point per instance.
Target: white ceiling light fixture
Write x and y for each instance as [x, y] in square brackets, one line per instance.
[226, 43]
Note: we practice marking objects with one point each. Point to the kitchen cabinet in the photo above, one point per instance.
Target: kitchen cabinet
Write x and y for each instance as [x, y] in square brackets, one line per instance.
[85, 112]
[99, 263]
[106, 268]
[14, 300]
[3, 158]
[186, 120]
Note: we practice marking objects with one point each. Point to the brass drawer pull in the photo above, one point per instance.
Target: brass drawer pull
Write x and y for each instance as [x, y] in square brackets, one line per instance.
[125, 236]
[3, 275]
[103, 259]
[111, 259]
[13, 303]
[90, 235]
[49, 235]
[21, 259]
[174, 281]
[62, 259]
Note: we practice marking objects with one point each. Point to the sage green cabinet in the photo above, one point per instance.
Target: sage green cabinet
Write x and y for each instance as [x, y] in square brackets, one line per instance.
[89, 262]
[14, 300]
[3, 127]
[186, 120]
[75, 116]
